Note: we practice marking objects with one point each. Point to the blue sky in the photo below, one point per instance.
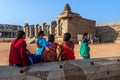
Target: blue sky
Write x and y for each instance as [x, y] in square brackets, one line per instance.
[38, 11]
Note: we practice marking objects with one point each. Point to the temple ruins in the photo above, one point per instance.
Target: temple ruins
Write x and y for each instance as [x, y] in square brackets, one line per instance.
[67, 21]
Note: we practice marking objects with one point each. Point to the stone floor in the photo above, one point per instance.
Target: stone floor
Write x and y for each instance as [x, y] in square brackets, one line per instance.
[97, 51]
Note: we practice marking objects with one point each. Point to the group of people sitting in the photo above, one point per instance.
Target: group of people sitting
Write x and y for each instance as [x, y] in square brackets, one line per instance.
[46, 51]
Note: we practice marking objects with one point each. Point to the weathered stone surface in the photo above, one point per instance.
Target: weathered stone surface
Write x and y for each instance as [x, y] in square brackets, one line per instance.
[36, 29]
[73, 72]
[26, 29]
[109, 32]
[91, 69]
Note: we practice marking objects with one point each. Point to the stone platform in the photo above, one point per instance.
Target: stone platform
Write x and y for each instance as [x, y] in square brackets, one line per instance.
[92, 69]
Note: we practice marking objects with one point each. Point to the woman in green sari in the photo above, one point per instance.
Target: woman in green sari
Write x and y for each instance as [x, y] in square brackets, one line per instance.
[85, 49]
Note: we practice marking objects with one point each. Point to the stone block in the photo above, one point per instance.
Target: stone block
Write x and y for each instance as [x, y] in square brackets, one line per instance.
[89, 69]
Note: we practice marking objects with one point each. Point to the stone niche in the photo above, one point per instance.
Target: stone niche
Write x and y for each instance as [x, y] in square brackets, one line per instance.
[90, 69]
[73, 23]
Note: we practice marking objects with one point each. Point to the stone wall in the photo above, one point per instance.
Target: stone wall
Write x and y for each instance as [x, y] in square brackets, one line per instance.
[91, 69]
[78, 25]
[109, 32]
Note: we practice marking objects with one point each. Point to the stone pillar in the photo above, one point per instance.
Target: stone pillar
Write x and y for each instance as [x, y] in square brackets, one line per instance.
[58, 28]
[36, 29]
[0, 34]
[33, 32]
[11, 34]
[30, 32]
[39, 28]
[50, 29]
[44, 28]
[14, 34]
[26, 29]
[3, 34]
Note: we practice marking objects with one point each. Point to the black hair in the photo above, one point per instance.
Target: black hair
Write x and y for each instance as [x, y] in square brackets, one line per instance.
[51, 38]
[67, 37]
[19, 35]
[84, 34]
[40, 33]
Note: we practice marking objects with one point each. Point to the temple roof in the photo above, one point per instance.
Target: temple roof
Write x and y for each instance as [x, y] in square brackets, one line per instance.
[67, 8]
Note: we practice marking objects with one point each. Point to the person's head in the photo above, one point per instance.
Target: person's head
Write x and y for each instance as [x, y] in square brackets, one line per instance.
[51, 38]
[20, 34]
[85, 35]
[40, 34]
[67, 37]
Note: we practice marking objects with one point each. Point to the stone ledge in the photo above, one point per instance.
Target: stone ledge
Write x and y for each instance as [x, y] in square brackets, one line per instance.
[92, 69]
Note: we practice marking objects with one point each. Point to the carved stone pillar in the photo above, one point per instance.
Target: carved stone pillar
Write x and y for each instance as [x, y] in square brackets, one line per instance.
[44, 28]
[50, 29]
[33, 32]
[58, 28]
[30, 32]
[26, 29]
[36, 29]
[39, 28]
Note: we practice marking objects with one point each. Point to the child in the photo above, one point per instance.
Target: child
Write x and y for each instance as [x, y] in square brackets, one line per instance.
[85, 49]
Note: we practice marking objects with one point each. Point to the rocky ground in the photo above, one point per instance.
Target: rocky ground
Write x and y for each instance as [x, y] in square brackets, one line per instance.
[97, 51]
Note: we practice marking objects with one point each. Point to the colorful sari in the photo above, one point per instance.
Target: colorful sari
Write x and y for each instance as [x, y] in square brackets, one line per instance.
[51, 54]
[41, 43]
[68, 50]
[85, 49]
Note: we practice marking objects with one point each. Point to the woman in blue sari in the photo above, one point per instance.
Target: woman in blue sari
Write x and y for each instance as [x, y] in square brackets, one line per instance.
[40, 41]
[85, 49]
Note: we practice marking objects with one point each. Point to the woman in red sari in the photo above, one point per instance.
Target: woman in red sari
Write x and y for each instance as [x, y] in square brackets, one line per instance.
[18, 53]
[67, 48]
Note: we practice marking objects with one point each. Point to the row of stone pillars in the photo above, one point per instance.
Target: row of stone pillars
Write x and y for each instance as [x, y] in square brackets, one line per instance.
[8, 34]
[32, 31]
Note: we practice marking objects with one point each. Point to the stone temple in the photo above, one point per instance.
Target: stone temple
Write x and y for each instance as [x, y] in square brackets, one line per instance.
[73, 23]
[67, 21]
